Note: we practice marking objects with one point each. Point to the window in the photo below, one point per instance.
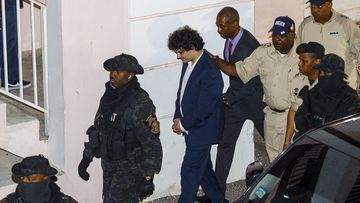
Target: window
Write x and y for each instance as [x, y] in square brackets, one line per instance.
[311, 172]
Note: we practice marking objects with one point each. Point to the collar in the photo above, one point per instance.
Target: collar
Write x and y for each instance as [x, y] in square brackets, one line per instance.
[292, 52]
[191, 66]
[237, 37]
[333, 16]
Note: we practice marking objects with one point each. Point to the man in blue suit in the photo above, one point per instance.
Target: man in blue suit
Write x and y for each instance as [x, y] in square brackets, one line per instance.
[198, 114]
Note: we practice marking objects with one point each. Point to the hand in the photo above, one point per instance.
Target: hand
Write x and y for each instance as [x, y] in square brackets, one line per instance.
[84, 164]
[176, 126]
[210, 54]
[146, 189]
[285, 146]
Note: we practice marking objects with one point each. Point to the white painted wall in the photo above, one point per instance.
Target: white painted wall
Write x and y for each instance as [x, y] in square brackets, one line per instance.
[83, 33]
[79, 42]
[266, 11]
[26, 26]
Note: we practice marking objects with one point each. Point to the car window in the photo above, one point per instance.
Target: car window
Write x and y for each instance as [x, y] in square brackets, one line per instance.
[310, 172]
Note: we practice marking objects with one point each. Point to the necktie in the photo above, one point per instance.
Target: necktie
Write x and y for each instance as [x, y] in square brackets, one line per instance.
[229, 50]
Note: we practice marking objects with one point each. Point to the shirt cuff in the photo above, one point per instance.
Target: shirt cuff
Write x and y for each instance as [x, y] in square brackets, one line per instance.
[240, 71]
[182, 128]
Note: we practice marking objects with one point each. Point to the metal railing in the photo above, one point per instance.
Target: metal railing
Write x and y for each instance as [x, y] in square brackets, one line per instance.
[32, 100]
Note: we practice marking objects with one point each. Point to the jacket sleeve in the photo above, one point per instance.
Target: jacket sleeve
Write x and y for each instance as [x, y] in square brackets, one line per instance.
[354, 39]
[208, 98]
[151, 146]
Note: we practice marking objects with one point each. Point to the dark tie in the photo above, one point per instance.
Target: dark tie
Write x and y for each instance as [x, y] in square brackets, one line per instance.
[229, 50]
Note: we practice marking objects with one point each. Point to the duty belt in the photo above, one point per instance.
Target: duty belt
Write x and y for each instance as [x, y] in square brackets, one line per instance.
[277, 110]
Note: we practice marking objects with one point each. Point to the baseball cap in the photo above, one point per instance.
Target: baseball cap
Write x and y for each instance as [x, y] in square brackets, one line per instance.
[331, 63]
[318, 2]
[123, 62]
[33, 165]
[283, 25]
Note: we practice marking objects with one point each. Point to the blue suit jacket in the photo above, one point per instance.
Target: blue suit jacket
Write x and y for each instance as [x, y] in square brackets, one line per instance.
[201, 103]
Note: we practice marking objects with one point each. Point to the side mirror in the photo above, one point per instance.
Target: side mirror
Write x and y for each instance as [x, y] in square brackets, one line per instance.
[253, 171]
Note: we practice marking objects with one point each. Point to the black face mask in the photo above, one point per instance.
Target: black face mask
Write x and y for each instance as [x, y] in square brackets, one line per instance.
[35, 192]
[331, 84]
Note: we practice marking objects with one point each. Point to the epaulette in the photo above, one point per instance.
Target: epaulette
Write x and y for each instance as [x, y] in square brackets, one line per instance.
[297, 75]
[266, 44]
[307, 19]
[343, 16]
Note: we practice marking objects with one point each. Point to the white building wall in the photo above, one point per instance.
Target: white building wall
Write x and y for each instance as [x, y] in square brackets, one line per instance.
[83, 33]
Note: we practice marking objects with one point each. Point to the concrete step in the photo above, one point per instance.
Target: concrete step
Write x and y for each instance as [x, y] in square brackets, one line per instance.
[21, 136]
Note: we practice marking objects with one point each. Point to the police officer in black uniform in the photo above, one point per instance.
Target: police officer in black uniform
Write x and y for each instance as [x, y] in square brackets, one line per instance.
[125, 135]
[36, 183]
[332, 98]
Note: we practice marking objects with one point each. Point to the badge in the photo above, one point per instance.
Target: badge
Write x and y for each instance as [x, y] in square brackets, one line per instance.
[296, 91]
[153, 124]
[155, 127]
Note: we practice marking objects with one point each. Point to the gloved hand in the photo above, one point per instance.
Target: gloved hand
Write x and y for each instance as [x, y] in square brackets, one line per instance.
[146, 188]
[84, 164]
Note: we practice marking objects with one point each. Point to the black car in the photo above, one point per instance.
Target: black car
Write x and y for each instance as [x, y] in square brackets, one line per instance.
[321, 166]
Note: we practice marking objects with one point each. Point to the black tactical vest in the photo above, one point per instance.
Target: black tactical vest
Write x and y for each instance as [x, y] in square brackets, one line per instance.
[116, 136]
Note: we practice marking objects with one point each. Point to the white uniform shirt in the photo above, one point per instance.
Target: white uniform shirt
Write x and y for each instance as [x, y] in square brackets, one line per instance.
[297, 83]
[340, 35]
[275, 73]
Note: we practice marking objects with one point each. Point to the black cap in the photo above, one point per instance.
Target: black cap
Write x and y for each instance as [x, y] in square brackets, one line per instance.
[124, 62]
[283, 25]
[33, 165]
[311, 47]
[318, 2]
[331, 63]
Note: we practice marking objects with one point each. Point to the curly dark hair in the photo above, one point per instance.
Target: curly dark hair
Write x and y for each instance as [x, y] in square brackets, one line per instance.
[185, 38]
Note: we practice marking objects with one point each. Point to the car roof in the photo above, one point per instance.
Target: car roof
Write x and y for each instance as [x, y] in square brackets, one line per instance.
[342, 135]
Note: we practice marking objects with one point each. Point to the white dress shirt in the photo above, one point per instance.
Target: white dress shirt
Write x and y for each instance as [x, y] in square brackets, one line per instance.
[186, 77]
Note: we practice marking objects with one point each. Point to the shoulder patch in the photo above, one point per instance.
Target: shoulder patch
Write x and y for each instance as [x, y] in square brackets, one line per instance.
[266, 44]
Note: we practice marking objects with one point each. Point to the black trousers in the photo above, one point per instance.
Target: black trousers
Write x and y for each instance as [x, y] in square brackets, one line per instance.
[234, 120]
